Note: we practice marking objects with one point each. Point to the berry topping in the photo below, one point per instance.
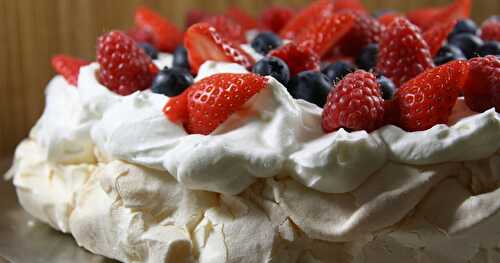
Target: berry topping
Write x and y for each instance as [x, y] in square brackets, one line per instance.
[356, 103]
[265, 42]
[387, 87]
[211, 101]
[490, 30]
[466, 26]
[172, 81]
[308, 15]
[338, 70]
[489, 48]
[428, 17]
[368, 57]
[228, 28]
[195, 16]
[483, 83]
[241, 17]
[403, 52]
[140, 35]
[166, 36]
[298, 58]
[448, 53]
[68, 67]
[429, 98]
[181, 58]
[273, 66]
[469, 44]
[366, 30]
[124, 67]
[387, 19]
[276, 17]
[349, 5]
[436, 36]
[203, 43]
[149, 49]
[311, 86]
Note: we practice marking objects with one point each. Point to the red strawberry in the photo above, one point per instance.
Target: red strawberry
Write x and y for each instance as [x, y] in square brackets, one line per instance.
[166, 36]
[125, 68]
[403, 52]
[325, 32]
[203, 43]
[426, 18]
[276, 17]
[319, 8]
[229, 29]
[298, 58]
[352, 5]
[356, 103]
[429, 98]
[211, 101]
[242, 18]
[388, 18]
[490, 30]
[436, 36]
[68, 67]
[140, 35]
[483, 84]
[423, 17]
[366, 30]
[195, 16]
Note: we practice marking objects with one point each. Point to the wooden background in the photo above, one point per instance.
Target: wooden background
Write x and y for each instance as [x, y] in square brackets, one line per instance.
[31, 31]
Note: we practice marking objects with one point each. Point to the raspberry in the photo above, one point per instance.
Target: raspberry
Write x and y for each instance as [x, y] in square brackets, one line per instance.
[490, 30]
[298, 58]
[366, 30]
[356, 103]
[68, 67]
[166, 36]
[482, 89]
[317, 9]
[276, 17]
[124, 67]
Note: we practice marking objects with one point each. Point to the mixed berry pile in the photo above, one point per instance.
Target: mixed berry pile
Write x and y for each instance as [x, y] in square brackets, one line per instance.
[365, 70]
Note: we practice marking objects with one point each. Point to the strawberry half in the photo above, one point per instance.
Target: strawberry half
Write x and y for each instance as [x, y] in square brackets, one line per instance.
[276, 17]
[403, 52]
[316, 10]
[211, 101]
[239, 16]
[68, 67]
[482, 89]
[166, 36]
[436, 36]
[204, 43]
[229, 29]
[298, 58]
[428, 17]
[365, 30]
[429, 98]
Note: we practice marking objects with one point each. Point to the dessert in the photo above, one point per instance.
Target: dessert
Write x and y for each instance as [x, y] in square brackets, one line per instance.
[224, 151]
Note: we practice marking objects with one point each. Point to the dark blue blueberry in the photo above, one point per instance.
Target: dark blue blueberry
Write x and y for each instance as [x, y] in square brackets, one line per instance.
[273, 66]
[337, 71]
[464, 26]
[387, 87]
[181, 58]
[172, 81]
[149, 49]
[312, 86]
[489, 48]
[368, 57]
[467, 43]
[448, 53]
[265, 42]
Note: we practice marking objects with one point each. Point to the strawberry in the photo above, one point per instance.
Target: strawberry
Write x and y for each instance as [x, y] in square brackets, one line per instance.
[203, 43]
[490, 30]
[436, 36]
[229, 29]
[68, 67]
[365, 30]
[356, 103]
[276, 17]
[388, 18]
[321, 35]
[426, 18]
[166, 36]
[124, 67]
[211, 101]
[429, 98]
[140, 35]
[483, 84]
[317, 9]
[298, 58]
[195, 16]
[239, 16]
[403, 52]
[352, 5]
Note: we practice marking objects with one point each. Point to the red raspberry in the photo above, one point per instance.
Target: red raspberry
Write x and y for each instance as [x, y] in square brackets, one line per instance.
[68, 67]
[317, 9]
[490, 30]
[366, 30]
[356, 103]
[429, 98]
[125, 68]
[229, 29]
[403, 52]
[276, 17]
[427, 17]
[436, 36]
[298, 58]
[483, 84]
[211, 101]
[203, 42]
[241, 17]
[166, 36]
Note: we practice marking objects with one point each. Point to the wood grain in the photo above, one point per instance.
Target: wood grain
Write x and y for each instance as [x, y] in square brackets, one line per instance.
[31, 31]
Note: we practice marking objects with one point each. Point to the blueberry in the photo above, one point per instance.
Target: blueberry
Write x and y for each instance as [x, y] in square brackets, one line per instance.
[448, 53]
[181, 58]
[368, 57]
[273, 66]
[466, 26]
[172, 81]
[467, 43]
[265, 42]
[489, 48]
[337, 71]
[387, 87]
[149, 49]
[312, 86]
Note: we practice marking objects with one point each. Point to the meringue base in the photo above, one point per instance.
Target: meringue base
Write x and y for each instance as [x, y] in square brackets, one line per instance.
[441, 213]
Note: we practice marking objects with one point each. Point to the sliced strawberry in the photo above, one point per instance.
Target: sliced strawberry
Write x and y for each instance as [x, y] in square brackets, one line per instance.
[298, 58]
[317, 9]
[490, 30]
[365, 30]
[351, 5]
[403, 52]
[426, 18]
[68, 67]
[429, 98]
[242, 18]
[276, 17]
[166, 36]
[483, 84]
[229, 29]
[321, 35]
[436, 36]
[211, 101]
